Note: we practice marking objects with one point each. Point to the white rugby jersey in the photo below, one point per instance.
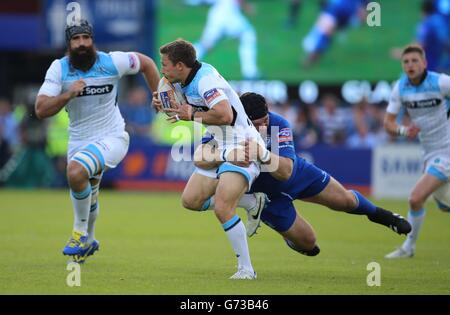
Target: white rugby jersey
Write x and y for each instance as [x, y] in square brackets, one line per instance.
[428, 105]
[207, 88]
[93, 114]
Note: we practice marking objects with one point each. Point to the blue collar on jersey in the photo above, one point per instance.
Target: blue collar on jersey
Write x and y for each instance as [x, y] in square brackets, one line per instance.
[197, 65]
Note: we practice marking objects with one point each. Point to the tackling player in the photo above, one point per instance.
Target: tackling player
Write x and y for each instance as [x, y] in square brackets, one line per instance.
[85, 84]
[295, 178]
[425, 96]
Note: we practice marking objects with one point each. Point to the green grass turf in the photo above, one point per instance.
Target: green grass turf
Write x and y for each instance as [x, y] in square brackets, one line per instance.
[357, 53]
[150, 245]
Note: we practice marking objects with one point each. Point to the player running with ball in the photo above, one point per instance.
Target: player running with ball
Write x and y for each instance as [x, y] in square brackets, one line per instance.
[214, 103]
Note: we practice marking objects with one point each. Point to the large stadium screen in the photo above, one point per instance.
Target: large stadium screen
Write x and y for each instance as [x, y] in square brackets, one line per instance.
[285, 38]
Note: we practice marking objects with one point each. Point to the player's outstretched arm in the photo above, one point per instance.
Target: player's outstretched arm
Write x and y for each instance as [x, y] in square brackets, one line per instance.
[150, 71]
[284, 165]
[47, 106]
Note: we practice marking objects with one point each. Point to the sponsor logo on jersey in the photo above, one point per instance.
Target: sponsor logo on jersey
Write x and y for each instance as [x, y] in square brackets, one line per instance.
[423, 103]
[211, 95]
[285, 135]
[96, 90]
[132, 61]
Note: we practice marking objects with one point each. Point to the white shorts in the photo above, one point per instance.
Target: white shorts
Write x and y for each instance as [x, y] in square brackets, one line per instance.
[438, 165]
[250, 173]
[110, 151]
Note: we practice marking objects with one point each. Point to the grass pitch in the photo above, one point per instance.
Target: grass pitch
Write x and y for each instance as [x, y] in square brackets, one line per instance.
[150, 245]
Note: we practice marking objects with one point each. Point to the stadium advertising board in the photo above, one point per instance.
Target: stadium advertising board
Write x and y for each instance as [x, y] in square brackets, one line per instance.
[395, 170]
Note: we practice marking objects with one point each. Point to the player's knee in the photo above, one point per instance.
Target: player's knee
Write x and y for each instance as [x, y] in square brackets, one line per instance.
[344, 201]
[350, 200]
[190, 202]
[76, 174]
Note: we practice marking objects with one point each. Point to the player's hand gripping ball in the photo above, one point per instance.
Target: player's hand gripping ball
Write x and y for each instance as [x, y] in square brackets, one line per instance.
[170, 95]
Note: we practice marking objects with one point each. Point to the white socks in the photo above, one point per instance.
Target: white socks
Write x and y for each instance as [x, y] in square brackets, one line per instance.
[415, 218]
[248, 201]
[81, 205]
[94, 211]
[235, 230]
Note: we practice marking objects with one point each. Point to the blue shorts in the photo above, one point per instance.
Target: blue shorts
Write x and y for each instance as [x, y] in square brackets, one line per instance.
[280, 214]
[309, 182]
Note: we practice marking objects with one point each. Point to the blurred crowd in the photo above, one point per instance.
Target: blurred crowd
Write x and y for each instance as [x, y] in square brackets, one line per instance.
[333, 122]
[35, 150]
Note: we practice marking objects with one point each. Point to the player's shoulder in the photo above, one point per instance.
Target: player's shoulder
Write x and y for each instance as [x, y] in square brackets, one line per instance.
[107, 62]
[207, 70]
[208, 77]
[59, 67]
[278, 120]
[432, 80]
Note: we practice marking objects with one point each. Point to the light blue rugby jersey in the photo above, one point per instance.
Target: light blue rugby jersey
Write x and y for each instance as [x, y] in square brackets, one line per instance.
[205, 88]
[94, 114]
[427, 104]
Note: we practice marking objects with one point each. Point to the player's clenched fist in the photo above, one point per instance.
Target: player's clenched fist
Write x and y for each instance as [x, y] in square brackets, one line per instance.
[76, 88]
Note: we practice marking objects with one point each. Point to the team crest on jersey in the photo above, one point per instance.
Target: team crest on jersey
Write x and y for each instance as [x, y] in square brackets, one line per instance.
[285, 135]
[211, 95]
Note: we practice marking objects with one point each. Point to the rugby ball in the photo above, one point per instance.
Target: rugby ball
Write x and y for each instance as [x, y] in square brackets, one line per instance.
[167, 91]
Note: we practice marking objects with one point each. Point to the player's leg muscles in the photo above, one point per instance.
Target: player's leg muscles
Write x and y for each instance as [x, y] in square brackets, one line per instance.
[232, 185]
[426, 185]
[77, 176]
[197, 191]
[300, 236]
[335, 196]
[230, 188]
